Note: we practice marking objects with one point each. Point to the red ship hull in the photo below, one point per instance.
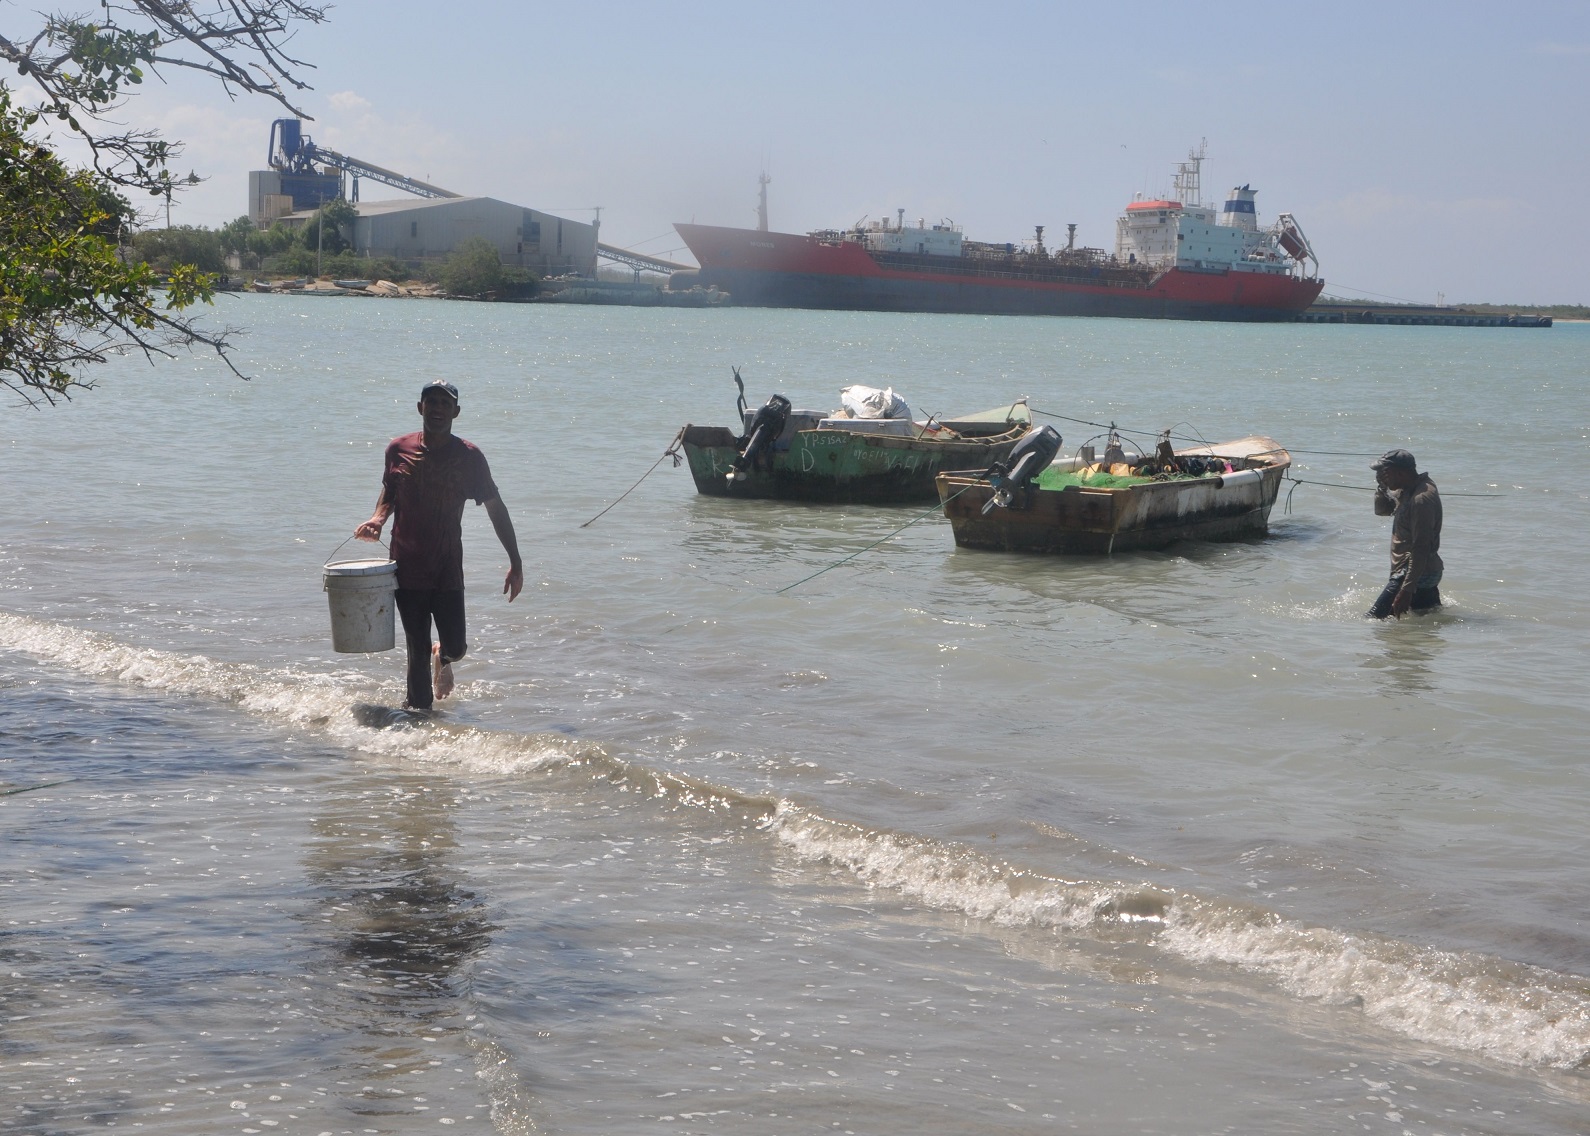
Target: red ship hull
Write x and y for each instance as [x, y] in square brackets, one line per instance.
[788, 270]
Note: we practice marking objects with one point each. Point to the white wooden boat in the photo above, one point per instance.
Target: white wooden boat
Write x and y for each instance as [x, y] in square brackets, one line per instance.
[1072, 507]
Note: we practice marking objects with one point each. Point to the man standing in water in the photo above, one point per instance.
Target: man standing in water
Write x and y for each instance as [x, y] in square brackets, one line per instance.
[1410, 499]
[429, 475]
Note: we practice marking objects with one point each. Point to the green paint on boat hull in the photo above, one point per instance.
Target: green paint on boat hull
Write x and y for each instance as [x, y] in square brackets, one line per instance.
[842, 467]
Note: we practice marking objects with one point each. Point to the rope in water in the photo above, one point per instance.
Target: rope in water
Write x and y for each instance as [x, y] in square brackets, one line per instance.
[935, 509]
[34, 788]
[672, 451]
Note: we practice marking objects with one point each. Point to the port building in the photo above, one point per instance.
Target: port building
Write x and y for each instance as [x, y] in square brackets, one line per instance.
[303, 176]
[424, 230]
[420, 230]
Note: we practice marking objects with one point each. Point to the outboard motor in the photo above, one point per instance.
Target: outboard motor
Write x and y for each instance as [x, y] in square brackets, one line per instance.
[765, 429]
[1028, 458]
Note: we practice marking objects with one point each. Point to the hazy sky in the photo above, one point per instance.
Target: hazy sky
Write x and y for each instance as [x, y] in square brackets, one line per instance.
[1424, 148]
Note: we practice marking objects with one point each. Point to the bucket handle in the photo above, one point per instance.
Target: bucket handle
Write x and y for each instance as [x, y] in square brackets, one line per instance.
[344, 544]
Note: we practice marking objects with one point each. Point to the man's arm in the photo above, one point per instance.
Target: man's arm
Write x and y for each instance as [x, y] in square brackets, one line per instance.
[513, 583]
[371, 529]
[1385, 503]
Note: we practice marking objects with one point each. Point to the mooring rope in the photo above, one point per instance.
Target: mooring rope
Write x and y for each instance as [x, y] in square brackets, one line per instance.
[935, 509]
[1371, 488]
[671, 451]
[1296, 481]
[1185, 438]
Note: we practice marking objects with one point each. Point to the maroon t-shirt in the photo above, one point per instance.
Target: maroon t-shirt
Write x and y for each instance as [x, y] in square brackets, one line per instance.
[427, 490]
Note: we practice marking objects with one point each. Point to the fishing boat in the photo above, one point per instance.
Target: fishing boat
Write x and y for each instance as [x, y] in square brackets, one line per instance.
[1079, 505]
[801, 455]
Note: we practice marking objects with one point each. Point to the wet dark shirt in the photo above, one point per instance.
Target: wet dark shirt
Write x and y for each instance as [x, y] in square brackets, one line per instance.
[1415, 528]
[427, 491]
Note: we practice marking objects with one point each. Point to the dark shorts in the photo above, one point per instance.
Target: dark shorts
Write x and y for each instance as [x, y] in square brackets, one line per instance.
[1426, 595]
[419, 608]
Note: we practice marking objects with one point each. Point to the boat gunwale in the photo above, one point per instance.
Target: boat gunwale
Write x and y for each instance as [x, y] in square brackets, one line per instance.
[1275, 459]
[1121, 518]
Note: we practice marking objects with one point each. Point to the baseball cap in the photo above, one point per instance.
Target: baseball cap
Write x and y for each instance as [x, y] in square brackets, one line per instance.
[442, 385]
[1396, 459]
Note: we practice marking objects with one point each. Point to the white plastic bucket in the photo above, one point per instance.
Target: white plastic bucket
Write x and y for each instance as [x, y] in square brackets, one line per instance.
[363, 605]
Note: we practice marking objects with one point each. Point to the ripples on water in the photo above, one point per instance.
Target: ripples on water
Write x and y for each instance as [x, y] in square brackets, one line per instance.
[937, 837]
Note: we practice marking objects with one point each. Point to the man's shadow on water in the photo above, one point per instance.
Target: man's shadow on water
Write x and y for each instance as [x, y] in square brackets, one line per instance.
[397, 914]
[404, 925]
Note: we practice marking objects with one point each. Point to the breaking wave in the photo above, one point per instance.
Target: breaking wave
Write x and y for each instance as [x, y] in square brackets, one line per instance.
[1465, 1001]
[1510, 1011]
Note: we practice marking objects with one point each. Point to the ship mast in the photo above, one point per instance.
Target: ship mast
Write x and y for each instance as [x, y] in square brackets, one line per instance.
[761, 202]
[1189, 187]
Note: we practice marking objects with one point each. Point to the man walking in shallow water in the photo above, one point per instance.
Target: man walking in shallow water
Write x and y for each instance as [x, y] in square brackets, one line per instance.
[428, 476]
[1410, 499]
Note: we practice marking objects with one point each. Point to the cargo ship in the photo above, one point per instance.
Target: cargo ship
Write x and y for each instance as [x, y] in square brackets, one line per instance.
[1174, 258]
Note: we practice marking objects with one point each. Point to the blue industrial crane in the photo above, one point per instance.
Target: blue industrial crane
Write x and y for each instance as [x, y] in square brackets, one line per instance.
[294, 152]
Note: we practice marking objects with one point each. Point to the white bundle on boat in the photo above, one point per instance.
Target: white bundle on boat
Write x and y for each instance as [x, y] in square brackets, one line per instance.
[870, 402]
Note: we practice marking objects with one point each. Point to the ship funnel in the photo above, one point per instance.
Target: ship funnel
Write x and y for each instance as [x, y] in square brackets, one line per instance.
[1240, 213]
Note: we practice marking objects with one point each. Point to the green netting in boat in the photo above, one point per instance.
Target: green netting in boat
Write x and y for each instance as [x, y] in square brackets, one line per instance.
[1061, 478]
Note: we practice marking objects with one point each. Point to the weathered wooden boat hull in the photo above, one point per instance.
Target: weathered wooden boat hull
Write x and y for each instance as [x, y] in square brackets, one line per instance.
[1083, 521]
[840, 467]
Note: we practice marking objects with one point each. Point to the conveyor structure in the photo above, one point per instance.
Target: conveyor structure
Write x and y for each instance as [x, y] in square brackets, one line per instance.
[292, 152]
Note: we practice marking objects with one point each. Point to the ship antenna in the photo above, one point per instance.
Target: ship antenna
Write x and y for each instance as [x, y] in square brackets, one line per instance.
[761, 202]
[1189, 189]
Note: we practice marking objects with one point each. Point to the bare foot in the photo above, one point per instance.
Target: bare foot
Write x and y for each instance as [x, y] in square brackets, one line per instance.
[441, 673]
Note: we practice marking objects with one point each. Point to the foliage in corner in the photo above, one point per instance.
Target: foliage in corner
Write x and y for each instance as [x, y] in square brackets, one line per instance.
[67, 298]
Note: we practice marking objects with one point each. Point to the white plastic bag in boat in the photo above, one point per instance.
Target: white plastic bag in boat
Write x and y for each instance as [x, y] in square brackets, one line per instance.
[870, 402]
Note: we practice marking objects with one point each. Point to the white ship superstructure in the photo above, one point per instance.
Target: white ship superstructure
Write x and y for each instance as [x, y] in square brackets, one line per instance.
[943, 239]
[1185, 233]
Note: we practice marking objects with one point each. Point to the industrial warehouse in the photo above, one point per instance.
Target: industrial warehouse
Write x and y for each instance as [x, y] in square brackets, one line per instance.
[304, 176]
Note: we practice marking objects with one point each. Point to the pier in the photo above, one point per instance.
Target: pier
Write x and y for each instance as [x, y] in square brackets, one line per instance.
[1413, 314]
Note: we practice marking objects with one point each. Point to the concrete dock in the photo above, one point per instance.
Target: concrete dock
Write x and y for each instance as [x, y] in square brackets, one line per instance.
[1413, 314]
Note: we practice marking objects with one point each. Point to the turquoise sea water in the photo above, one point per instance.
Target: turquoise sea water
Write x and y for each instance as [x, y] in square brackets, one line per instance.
[939, 840]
